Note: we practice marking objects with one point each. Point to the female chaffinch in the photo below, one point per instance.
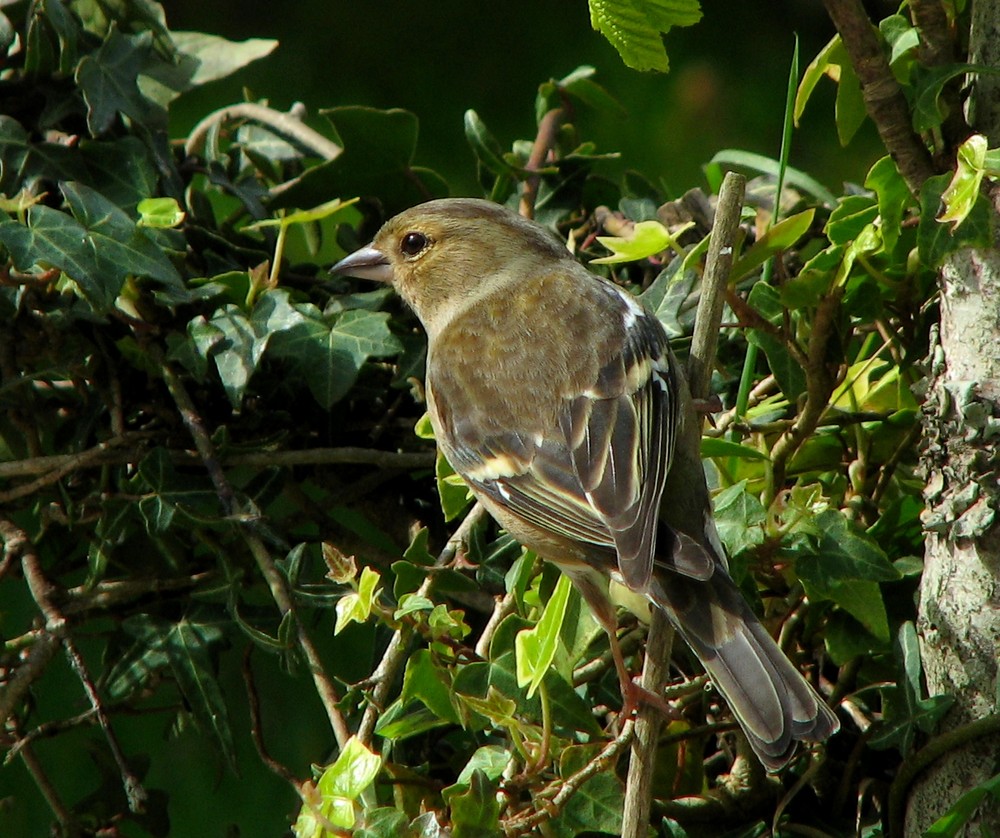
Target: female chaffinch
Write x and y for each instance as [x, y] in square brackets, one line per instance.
[555, 395]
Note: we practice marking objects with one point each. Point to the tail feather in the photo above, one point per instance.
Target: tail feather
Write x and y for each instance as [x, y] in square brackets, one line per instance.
[773, 703]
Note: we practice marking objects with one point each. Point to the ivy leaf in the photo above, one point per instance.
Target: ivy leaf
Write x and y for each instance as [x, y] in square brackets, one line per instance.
[779, 237]
[963, 191]
[635, 27]
[356, 607]
[108, 81]
[739, 517]
[426, 681]
[475, 810]
[328, 355]
[185, 646]
[893, 198]
[535, 648]
[646, 239]
[121, 247]
[339, 786]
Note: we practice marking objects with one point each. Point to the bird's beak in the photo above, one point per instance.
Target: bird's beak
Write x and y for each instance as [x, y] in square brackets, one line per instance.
[367, 263]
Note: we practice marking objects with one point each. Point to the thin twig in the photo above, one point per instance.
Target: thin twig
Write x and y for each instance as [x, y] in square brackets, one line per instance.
[68, 463]
[44, 593]
[545, 140]
[638, 785]
[545, 810]
[256, 727]
[276, 581]
[56, 466]
[395, 654]
[59, 809]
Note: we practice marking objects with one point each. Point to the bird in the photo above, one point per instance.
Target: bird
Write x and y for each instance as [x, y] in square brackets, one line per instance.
[557, 398]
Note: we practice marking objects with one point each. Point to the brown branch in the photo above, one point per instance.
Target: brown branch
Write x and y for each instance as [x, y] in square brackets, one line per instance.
[63, 814]
[884, 100]
[819, 387]
[276, 582]
[257, 729]
[69, 463]
[104, 454]
[26, 673]
[713, 285]
[545, 140]
[44, 594]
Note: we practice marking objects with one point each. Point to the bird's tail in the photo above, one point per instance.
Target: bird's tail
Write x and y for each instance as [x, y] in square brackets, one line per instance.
[773, 703]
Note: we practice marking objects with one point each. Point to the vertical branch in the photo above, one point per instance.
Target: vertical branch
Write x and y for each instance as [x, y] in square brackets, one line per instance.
[884, 100]
[638, 784]
[545, 139]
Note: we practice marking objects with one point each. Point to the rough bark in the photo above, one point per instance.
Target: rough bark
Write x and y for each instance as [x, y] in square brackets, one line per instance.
[959, 610]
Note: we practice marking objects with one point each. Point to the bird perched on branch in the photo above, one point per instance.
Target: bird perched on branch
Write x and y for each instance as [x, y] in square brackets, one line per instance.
[555, 395]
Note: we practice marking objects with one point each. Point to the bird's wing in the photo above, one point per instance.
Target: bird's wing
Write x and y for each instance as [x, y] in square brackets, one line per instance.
[598, 476]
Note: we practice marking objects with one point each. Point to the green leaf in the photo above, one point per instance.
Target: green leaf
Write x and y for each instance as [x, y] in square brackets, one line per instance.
[217, 57]
[718, 447]
[120, 246]
[108, 81]
[952, 821]
[453, 492]
[963, 191]
[377, 160]
[894, 197]
[475, 810]
[425, 681]
[850, 553]
[739, 517]
[778, 237]
[768, 166]
[159, 212]
[535, 648]
[485, 146]
[646, 239]
[492, 760]
[238, 350]
[788, 372]
[934, 240]
[356, 607]
[339, 786]
[596, 807]
[327, 352]
[634, 27]
[186, 646]
[53, 239]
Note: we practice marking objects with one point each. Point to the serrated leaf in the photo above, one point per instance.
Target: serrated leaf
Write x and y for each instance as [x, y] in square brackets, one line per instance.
[635, 27]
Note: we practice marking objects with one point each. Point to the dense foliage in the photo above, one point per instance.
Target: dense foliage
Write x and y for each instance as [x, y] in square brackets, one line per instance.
[218, 501]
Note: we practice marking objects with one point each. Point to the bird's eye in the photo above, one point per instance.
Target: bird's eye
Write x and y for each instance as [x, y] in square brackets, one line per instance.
[413, 243]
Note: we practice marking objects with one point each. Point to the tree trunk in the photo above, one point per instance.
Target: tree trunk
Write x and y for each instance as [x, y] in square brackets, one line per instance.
[959, 611]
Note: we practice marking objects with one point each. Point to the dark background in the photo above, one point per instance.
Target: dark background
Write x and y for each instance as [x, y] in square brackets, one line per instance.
[726, 87]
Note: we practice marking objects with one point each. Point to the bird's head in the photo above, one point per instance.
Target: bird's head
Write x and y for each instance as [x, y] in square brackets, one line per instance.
[442, 255]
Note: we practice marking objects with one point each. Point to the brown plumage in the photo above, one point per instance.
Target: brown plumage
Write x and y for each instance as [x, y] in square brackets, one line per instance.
[556, 397]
